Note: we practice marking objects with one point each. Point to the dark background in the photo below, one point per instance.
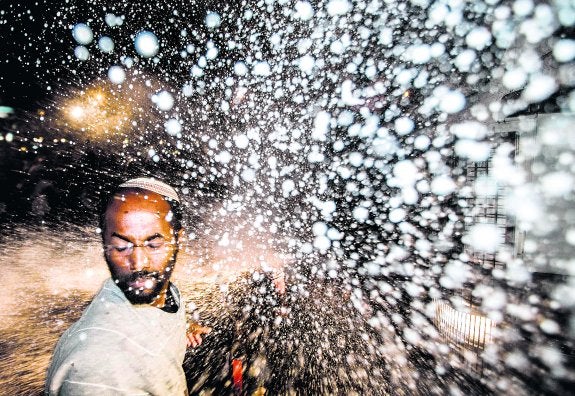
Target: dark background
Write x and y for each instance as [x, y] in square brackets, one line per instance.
[60, 181]
[19, 87]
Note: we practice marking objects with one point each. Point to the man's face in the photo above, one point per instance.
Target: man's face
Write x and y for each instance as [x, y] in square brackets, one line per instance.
[140, 246]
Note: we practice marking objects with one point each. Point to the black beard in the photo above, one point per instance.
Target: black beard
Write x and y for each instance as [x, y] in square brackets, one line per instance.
[142, 296]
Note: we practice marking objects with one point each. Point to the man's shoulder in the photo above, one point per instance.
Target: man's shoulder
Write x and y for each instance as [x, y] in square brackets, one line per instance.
[107, 308]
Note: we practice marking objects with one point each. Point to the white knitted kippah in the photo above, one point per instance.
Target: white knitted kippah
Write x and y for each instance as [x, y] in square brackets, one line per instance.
[146, 183]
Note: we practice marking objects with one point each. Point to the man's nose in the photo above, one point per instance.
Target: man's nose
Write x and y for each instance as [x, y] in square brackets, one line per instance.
[139, 259]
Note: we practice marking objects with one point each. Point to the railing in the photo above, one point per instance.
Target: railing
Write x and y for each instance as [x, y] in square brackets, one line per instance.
[467, 329]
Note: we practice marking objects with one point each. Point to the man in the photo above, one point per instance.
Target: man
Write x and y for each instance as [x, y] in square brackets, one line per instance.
[132, 337]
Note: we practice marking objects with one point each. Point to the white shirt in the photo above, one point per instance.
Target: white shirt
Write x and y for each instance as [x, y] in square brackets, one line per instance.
[118, 348]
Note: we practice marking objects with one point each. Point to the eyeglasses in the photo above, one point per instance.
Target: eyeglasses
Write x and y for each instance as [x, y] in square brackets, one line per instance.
[150, 247]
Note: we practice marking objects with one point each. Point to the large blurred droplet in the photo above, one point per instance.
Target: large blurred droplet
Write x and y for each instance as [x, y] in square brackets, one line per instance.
[81, 53]
[116, 74]
[106, 44]
[82, 33]
[146, 44]
[163, 100]
[213, 20]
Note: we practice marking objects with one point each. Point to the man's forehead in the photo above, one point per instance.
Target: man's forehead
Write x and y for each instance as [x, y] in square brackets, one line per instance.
[135, 210]
[142, 194]
[139, 211]
[139, 201]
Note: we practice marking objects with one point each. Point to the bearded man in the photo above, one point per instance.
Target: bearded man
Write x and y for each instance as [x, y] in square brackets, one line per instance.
[132, 337]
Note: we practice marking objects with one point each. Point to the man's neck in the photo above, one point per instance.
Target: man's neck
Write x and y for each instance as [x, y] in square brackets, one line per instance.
[165, 301]
[160, 300]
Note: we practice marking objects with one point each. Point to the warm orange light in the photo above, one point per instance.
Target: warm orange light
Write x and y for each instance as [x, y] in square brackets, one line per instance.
[76, 112]
[96, 112]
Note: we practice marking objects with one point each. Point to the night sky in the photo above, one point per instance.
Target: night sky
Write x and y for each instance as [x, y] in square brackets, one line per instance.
[18, 85]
